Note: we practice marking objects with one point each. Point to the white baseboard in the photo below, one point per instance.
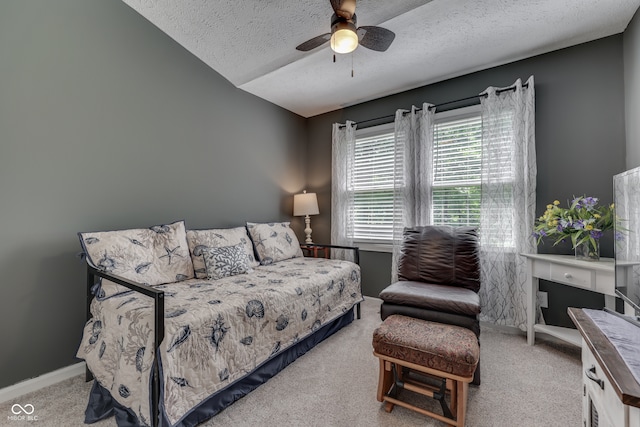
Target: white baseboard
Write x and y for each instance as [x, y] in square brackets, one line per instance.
[42, 381]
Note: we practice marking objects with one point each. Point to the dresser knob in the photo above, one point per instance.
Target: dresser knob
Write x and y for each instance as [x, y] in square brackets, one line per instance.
[568, 275]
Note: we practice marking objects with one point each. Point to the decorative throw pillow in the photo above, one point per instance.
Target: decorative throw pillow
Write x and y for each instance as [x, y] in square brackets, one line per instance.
[152, 256]
[215, 238]
[226, 261]
[274, 241]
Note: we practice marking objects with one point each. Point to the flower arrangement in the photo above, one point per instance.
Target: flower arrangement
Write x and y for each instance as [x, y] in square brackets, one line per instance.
[584, 221]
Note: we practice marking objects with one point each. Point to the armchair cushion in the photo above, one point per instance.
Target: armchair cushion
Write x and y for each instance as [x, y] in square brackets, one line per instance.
[441, 255]
[449, 299]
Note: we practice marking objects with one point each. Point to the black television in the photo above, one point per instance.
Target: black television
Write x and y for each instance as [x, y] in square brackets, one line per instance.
[626, 196]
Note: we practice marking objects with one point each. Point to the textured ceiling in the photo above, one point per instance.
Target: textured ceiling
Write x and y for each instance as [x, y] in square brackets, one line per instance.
[252, 43]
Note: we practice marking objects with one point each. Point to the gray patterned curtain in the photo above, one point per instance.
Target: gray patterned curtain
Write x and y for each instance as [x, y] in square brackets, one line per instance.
[412, 176]
[343, 156]
[507, 209]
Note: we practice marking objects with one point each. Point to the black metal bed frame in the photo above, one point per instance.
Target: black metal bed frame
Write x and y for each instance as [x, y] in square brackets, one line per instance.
[158, 315]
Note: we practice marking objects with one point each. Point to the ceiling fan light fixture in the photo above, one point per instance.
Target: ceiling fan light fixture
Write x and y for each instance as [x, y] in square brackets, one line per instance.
[343, 37]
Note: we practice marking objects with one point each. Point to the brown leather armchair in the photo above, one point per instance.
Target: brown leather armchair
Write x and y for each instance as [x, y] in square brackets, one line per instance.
[439, 278]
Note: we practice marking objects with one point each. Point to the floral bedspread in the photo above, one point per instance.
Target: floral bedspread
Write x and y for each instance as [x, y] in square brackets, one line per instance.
[216, 332]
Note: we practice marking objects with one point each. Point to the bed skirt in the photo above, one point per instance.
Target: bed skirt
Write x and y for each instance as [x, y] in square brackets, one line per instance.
[101, 405]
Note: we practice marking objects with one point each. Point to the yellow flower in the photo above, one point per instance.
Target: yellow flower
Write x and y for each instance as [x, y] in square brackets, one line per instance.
[554, 222]
[596, 216]
[541, 218]
[549, 206]
[588, 227]
[612, 206]
[556, 202]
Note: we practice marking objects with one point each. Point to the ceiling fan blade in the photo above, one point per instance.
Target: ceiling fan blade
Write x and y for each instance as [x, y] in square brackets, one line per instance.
[314, 42]
[375, 38]
[344, 8]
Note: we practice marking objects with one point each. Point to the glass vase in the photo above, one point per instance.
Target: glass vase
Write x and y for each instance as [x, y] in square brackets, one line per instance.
[586, 252]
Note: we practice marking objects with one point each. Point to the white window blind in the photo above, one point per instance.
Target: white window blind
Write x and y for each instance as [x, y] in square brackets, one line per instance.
[456, 171]
[372, 187]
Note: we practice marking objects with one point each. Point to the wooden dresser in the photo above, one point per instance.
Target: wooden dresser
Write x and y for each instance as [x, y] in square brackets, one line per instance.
[611, 392]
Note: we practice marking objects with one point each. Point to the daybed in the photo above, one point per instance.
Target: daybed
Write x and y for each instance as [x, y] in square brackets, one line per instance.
[183, 323]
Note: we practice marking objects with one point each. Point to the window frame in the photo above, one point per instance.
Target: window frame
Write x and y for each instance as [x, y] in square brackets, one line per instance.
[374, 245]
[450, 116]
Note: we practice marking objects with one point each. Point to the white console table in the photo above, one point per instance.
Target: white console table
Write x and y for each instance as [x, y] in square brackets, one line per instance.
[596, 276]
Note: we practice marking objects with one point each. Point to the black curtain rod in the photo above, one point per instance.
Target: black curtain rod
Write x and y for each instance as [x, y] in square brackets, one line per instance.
[481, 95]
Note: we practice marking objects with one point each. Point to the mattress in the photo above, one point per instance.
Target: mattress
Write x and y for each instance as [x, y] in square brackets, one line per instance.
[216, 332]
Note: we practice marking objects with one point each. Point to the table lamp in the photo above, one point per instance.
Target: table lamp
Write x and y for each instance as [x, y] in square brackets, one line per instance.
[306, 204]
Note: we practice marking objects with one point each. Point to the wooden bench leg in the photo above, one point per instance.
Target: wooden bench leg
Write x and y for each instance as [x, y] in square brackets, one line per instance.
[453, 386]
[385, 380]
[459, 395]
[461, 402]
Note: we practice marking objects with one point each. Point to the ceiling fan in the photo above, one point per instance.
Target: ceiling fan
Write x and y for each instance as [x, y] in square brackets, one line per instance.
[344, 35]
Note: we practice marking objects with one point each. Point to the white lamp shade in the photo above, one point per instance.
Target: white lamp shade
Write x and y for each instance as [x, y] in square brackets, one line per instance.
[305, 204]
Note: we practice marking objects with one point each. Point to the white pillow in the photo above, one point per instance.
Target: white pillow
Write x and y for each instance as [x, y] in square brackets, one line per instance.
[274, 241]
[151, 256]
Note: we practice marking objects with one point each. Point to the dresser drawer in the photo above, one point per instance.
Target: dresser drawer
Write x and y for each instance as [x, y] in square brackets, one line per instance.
[572, 276]
[610, 408]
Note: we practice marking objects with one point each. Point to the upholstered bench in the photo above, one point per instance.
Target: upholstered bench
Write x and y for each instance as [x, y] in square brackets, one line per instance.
[428, 358]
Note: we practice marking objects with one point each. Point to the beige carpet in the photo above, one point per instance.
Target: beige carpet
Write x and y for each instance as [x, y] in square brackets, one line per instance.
[335, 385]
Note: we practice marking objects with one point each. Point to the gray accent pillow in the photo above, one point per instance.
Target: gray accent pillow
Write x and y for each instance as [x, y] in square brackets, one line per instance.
[226, 261]
[151, 256]
[274, 241]
[215, 238]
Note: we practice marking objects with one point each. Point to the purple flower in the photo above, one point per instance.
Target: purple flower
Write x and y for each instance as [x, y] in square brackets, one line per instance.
[587, 202]
[560, 228]
[578, 225]
[596, 234]
[543, 233]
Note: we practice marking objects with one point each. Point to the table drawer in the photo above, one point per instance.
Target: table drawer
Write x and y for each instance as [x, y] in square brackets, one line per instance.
[572, 276]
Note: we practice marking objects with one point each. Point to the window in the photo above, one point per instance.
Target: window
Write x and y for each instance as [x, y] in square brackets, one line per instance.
[457, 149]
[372, 184]
[456, 176]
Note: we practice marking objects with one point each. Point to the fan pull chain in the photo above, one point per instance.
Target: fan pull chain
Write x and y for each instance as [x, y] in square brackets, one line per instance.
[334, 58]
[352, 65]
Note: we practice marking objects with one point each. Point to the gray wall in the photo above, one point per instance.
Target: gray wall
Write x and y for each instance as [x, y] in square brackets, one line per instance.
[106, 123]
[580, 140]
[632, 90]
